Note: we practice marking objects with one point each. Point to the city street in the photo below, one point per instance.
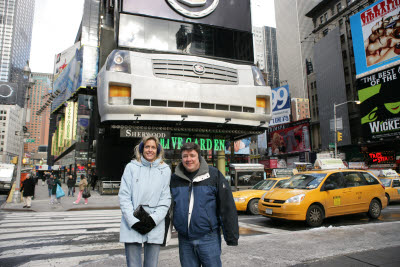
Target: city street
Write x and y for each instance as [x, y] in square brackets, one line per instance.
[90, 238]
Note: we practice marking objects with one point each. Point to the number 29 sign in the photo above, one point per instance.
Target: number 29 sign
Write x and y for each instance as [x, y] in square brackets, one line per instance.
[280, 105]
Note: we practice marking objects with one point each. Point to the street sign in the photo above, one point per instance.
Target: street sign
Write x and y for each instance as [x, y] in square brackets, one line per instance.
[29, 140]
[331, 145]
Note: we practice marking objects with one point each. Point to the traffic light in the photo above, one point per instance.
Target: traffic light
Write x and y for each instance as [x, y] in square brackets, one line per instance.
[339, 136]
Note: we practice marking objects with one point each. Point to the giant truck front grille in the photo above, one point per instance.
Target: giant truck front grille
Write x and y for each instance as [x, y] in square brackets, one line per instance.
[184, 71]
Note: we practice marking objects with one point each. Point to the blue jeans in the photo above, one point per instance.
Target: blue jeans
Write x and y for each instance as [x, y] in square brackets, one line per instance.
[71, 191]
[205, 252]
[133, 253]
[50, 189]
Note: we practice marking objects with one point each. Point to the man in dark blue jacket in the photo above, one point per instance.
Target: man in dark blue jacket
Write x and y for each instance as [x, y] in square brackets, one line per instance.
[203, 203]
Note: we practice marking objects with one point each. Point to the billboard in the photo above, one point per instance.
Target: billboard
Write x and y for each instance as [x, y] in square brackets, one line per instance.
[232, 14]
[376, 36]
[80, 72]
[61, 60]
[280, 105]
[241, 146]
[289, 138]
[8, 93]
[379, 94]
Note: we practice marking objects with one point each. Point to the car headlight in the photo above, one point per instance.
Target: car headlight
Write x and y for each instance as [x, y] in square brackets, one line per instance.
[258, 77]
[239, 199]
[296, 199]
[119, 61]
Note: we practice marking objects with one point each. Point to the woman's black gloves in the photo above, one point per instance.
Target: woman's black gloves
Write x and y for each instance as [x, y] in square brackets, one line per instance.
[146, 223]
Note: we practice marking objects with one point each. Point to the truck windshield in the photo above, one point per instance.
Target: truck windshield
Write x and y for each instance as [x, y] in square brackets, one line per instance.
[264, 185]
[304, 181]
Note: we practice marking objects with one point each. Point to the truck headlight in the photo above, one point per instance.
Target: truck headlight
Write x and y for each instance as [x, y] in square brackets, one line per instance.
[258, 77]
[119, 61]
[239, 199]
[296, 199]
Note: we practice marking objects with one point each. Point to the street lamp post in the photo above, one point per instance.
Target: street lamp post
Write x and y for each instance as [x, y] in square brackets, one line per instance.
[334, 114]
[17, 195]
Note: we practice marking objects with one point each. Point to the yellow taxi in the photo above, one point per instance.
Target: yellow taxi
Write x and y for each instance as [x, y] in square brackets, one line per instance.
[247, 200]
[314, 195]
[391, 180]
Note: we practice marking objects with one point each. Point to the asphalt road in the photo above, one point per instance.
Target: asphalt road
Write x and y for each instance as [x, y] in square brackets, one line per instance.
[90, 238]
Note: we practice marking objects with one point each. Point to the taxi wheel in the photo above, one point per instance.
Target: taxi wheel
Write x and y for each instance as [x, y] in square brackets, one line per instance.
[388, 198]
[315, 216]
[252, 207]
[374, 209]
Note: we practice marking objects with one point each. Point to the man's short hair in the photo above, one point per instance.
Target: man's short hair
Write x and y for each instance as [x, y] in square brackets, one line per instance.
[191, 146]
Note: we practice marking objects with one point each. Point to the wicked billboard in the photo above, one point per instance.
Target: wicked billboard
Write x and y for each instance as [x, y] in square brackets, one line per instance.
[379, 95]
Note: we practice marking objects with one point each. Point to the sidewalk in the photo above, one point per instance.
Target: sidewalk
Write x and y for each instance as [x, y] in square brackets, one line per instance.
[41, 201]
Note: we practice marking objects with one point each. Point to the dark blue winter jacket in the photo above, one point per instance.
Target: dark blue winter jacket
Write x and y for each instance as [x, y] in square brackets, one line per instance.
[203, 205]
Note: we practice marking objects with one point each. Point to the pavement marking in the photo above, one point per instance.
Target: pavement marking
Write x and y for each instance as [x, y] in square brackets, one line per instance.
[262, 228]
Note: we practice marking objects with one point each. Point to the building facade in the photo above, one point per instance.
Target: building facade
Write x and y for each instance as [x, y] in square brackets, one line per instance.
[300, 109]
[16, 22]
[332, 80]
[266, 54]
[10, 130]
[294, 45]
[38, 125]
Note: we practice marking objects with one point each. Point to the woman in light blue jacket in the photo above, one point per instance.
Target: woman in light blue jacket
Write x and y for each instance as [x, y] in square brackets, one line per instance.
[144, 198]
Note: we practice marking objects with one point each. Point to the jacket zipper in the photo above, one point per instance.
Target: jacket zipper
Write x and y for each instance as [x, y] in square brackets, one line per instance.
[190, 197]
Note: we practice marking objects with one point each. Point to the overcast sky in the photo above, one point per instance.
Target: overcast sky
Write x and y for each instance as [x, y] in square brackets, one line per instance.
[56, 24]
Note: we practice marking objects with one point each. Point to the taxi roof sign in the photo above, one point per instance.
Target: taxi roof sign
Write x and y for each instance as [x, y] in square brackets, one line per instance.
[388, 172]
[329, 164]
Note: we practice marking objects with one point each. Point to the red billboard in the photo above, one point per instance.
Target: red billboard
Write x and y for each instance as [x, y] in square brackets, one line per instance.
[289, 138]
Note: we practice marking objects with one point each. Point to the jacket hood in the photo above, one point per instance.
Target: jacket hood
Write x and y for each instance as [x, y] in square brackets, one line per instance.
[144, 163]
[179, 171]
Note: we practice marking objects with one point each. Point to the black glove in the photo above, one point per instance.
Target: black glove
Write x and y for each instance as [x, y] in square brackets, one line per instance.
[144, 226]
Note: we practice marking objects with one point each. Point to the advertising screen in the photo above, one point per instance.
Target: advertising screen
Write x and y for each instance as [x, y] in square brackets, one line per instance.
[241, 146]
[289, 138]
[81, 71]
[379, 94]
[280, 105]
[376, 36]
[8, 93]
[232, 14]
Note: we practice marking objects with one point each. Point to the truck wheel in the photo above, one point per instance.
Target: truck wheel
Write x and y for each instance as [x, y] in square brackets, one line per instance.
[252, 207]
[315, 216]
[374, 209]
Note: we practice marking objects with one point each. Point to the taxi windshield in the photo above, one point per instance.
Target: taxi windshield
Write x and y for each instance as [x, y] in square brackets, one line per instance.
[386, 182]
[304, 181]
[264, 185]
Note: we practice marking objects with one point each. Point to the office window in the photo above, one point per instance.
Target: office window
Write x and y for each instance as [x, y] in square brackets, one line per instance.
[338, 7]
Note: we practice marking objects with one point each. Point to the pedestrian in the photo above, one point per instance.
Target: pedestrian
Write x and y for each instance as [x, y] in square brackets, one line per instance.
[28, 186]
[54, 190]
[43, 179]
[202, 204]
[50, 183]
[82, 185]
[71, 185]
[94, 180]
[144, 198]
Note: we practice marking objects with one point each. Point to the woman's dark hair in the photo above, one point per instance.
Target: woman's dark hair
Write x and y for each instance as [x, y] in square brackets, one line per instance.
[82, 176]
[191, 146]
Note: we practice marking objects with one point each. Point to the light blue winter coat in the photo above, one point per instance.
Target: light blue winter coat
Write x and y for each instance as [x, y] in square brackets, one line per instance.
[147, 184]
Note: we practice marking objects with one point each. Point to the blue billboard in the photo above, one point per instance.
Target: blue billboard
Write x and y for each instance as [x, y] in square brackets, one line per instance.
[376, 36]
[280, 105]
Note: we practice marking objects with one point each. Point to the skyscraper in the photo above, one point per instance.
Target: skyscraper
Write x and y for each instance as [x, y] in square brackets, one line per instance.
[16, 22]
[38, 126]
[294, 46]
[266, 54]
